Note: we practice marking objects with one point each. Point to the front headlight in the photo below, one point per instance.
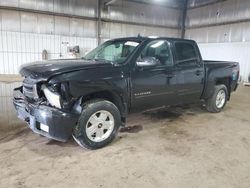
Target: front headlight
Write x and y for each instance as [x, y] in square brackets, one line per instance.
[53, 98]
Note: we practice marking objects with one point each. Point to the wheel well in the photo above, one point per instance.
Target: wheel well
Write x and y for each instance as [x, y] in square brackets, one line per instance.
[226, 82]
[109, 96]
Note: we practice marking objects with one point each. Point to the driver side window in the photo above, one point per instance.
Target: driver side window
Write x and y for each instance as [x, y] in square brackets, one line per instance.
[158, 49]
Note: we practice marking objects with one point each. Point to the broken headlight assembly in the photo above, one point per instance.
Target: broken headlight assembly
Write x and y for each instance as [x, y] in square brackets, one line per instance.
[52, 95]
[57, 94]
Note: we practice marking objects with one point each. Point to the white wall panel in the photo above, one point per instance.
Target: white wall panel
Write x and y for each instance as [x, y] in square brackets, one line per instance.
[12, 3]
[20, 48]
[45, 24]
[76, 27]
[238, 32]
[61, 6]
[229, 52]
[28, 22]
[45, 5]
[114, 30]
[242, 9]
[245, 27]
[62, 25]
[226, 11]
[89, 29]
[83, 8]
[143, 13]
[6, 104]
[29, 4]
[24, 35]
[10, 20]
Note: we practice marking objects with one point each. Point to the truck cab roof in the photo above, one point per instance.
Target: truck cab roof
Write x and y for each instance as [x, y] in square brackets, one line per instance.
[144, 38]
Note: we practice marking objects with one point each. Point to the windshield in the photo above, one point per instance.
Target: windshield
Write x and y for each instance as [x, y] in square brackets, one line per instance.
[113, 51]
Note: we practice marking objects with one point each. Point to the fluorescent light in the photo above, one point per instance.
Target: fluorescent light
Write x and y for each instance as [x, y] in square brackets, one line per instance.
[157, 44]
[131, 43]
[153, 37]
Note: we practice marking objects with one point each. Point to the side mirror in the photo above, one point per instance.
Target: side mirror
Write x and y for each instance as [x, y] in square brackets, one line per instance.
[148, 62]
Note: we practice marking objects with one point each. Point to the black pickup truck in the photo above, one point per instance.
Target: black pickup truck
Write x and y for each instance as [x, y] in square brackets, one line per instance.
[90, 97]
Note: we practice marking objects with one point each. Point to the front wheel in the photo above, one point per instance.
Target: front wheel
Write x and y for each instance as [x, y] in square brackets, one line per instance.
[218, 100]
[98, 124]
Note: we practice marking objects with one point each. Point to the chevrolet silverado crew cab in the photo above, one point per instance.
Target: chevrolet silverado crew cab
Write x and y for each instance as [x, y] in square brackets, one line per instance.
[90, 97]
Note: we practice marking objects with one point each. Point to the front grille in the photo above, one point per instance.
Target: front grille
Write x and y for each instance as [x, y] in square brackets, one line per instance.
[30, 89]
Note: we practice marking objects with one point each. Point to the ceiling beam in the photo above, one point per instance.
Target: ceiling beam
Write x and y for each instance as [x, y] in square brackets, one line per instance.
[219, 24]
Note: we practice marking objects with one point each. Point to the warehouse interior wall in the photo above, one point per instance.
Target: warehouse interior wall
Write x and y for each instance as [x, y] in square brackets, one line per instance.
[222, 30]
[27, 27]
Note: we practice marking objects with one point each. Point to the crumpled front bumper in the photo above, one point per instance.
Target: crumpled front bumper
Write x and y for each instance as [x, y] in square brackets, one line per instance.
[60, 124]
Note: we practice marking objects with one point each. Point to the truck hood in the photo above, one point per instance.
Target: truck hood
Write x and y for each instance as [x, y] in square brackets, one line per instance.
[43, 70]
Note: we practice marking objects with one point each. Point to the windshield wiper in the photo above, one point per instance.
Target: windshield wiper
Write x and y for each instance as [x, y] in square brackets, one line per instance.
[85, 58]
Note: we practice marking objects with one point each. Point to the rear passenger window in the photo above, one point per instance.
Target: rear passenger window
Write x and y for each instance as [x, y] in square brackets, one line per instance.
[185, 51]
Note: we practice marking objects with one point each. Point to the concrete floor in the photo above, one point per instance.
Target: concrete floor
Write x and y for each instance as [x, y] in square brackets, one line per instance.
[167, 148]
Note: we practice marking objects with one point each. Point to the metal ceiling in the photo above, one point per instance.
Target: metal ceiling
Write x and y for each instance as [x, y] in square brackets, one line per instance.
[179, 4]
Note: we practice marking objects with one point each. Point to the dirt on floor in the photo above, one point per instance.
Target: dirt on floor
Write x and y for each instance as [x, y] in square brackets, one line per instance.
[180, 147]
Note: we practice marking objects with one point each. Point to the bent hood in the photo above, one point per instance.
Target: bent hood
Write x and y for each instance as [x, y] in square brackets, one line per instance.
[43, 70]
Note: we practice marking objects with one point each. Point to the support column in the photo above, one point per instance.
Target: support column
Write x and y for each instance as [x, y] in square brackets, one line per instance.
[184, 16]
[99, 22]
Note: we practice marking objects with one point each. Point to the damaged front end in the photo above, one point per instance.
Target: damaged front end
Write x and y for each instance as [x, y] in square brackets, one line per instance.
[45, 108]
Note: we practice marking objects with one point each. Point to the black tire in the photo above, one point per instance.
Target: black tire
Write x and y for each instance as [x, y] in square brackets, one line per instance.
[89, 109]
[211, 102]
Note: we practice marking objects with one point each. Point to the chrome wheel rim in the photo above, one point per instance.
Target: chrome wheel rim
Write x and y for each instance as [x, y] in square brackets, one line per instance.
[220, 99]
[100, 126]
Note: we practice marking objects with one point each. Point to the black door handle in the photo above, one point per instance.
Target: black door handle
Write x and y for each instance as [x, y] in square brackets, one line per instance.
[198, 72]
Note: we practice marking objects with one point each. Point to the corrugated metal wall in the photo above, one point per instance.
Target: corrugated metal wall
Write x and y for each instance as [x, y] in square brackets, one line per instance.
[236, 51]
[54, 25]
[143, 13]
[222, 30]
[27, 27]
[24, 35]
[115, 30]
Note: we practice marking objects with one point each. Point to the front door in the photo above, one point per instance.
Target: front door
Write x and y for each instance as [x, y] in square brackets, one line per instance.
[153, 86]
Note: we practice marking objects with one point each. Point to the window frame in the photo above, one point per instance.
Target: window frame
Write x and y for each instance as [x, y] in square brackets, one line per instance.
[197, 58]
[168, 44]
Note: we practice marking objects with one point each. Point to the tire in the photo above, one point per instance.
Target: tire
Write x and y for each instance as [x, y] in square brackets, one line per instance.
[98, 124]
[218, 100]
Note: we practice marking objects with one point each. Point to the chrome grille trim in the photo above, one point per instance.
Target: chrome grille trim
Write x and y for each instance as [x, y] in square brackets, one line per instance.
[30, 89]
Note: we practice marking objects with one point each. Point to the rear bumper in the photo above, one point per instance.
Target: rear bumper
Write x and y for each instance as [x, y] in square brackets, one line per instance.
[60, 124]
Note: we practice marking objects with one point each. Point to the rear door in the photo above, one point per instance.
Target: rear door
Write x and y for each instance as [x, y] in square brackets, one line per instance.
[189, 71]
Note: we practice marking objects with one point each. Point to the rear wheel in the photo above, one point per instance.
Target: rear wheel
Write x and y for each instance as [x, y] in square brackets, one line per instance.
[98, 124]
[218, 100]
